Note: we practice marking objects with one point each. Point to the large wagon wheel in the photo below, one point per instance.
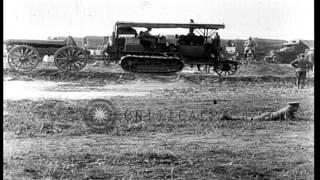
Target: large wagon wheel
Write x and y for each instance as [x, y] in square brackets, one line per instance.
[23, 58]
[225, 68]
[70, 59]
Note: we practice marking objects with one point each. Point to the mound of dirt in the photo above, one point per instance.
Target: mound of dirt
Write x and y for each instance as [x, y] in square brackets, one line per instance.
[207, 80]
[265, 69]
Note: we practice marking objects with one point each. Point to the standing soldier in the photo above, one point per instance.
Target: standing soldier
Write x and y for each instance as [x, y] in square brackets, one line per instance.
[310, 57]
[215, 45]
[70, 41]
[301, 64]
[190, 38]
[147, 38]
[249, 45]
[191, 30]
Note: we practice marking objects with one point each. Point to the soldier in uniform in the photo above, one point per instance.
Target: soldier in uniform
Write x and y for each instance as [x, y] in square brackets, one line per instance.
[191, 30]
[249, 45]
[301, 64]
[217, 40]
[286, 113]
[147, 38]
[70, 41]
[147, 33]
[215, 45]
[310, 57]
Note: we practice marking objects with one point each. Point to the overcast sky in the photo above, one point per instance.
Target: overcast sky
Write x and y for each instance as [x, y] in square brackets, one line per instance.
[38, 19]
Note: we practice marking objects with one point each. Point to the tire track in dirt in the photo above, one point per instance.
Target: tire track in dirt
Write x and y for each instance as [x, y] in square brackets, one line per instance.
[35, 90]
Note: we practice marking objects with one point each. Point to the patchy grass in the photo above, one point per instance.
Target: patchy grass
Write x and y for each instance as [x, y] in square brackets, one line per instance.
[265, 153]
[47, 139]
[158, 114]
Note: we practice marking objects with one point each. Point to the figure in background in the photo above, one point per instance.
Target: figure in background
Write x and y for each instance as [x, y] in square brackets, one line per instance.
[301, 64]
[70, 41]
[310, 57]
[191, 39]
[236, 57]
[249, 45]
[216, 48]
[191, 30]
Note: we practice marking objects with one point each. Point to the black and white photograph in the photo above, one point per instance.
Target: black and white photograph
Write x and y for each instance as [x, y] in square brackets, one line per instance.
[158, 89]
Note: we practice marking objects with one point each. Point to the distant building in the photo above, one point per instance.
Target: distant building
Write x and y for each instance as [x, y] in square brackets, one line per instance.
[309, 43]
[298, 46]
[95, 42]
[263, 46]
[291, 49]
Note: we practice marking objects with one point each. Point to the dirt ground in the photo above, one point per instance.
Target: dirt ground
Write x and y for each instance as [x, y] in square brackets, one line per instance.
[46, 136]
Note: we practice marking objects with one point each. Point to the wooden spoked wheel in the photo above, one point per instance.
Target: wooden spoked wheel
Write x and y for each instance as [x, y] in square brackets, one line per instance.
[70, 59]
[23, 58]
[225, 69]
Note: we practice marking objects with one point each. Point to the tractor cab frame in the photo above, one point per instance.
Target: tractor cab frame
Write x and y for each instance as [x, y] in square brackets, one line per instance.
[192, 47]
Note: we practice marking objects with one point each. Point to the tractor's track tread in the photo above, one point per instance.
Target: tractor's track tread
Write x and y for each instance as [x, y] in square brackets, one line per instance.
[153, 65]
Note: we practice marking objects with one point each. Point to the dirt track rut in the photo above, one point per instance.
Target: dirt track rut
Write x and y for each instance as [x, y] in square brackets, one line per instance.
[35, 90]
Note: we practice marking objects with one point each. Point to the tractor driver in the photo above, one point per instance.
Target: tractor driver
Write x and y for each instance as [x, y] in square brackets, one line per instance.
[147, 33]
[190, 38]
[216, 48]
[191, 30]
[217, 40]
[148, 39]
[249, 45]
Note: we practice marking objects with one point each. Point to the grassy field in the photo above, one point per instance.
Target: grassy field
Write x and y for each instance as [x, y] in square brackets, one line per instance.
[171, 133]
[49, 139]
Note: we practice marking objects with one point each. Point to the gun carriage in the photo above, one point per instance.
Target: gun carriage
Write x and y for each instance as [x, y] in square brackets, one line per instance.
[25, 55]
